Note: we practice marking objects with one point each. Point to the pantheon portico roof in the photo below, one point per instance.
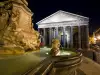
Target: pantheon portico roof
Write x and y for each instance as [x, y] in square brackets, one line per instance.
[62, 18]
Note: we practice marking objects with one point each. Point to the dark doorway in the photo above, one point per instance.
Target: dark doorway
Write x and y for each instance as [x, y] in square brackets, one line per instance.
[75, 40]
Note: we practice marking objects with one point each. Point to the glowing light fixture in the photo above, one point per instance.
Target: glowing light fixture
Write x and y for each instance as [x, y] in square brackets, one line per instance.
[47, 53]
[98, 37]
[95, 39]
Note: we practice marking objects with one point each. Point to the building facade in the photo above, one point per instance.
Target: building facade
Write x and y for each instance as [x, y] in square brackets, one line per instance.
[71, 29]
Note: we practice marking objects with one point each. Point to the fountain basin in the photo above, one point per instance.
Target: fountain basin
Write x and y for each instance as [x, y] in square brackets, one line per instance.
[66, 63]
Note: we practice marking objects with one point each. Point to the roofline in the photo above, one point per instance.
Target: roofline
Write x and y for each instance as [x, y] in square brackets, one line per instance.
[74, 14]
[47, 17]
[58, 12]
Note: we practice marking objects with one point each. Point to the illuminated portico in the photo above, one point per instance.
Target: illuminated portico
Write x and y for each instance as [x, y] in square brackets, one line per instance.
[61, 25]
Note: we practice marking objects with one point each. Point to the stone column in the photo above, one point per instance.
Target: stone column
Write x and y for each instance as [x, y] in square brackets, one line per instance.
[52, 33]
[64, 36]
[71, 37]
[79, 37]
[44, 35]
[87, 36]
[56, 34]
[50, 36]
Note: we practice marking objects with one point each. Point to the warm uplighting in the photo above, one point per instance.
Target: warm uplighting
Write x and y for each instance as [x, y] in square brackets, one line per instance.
[47, 53]
[61, 53]
[98, 37]
[65, 53]
[95, 39]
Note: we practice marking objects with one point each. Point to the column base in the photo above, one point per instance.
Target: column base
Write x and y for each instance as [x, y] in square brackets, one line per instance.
[86, 49]
[80, 49]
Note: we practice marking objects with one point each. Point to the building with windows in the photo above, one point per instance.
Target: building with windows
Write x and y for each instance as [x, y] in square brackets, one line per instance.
[71, 29]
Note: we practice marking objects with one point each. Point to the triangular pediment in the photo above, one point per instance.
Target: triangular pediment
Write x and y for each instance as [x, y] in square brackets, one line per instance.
[61, 16]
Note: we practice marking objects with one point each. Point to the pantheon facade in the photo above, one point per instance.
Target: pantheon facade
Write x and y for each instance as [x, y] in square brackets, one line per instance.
[71, 29]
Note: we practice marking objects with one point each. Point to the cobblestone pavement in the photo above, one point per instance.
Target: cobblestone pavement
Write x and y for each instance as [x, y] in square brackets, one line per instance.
[90, 67]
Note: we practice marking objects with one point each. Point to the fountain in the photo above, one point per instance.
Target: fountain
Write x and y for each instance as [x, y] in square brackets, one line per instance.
[55, 50]
[55, 47]
[57, 62]
[65, 62]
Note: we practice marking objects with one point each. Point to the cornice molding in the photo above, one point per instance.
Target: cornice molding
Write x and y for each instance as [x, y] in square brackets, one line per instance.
[63, 24]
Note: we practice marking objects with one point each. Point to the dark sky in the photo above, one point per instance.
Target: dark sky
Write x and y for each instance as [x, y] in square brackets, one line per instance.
[44, 8]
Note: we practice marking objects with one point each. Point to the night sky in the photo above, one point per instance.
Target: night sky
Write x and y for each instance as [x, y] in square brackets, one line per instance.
[44, 8]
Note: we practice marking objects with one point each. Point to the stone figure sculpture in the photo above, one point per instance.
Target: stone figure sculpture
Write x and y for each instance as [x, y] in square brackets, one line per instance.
[16, 28]
[55, 47]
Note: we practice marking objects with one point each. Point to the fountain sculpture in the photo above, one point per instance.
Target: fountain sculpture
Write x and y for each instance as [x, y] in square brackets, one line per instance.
[55, 47]
[16, 27]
